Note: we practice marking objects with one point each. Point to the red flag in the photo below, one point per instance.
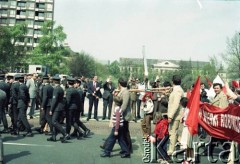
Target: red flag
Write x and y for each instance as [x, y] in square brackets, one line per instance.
[235, 84]
[208, 81]
[193, 106]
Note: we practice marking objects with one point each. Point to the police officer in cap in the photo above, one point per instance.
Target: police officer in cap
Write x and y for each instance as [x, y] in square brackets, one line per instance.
[4, 102]
[46, 96]
[57, 107]
[23, 101]
[73, 103]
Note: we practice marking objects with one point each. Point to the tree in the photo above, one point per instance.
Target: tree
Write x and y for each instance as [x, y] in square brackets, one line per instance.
[50, 50]
[82, 64]
[232, 56]
[12, 53]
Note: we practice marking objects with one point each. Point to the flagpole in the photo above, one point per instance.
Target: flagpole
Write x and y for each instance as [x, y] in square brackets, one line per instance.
[145, 67]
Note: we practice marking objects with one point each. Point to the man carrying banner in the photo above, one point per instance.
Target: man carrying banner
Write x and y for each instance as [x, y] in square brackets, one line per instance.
[220, 100]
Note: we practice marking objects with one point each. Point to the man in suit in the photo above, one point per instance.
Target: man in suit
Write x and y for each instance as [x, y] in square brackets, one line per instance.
[46, 96]
[107, 98]
[22, 105]
[32, 86]
[6, 89]
[57, 107]
[220, 100]
[126, 109]
[94, 94]
[174, 111]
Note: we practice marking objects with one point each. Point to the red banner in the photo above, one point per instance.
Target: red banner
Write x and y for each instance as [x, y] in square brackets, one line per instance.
[221, 123]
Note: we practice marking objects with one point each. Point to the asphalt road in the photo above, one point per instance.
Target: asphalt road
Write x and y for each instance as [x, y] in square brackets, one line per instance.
[37, 150]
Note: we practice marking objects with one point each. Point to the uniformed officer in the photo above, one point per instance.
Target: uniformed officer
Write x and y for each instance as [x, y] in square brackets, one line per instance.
[6, 89]
[13, 101]
[22, 105]
[46, 98]
[77, 85]
[57, 106]
[73, 102]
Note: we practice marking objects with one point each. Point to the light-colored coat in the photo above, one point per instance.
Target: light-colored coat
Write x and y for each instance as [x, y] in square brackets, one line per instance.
[220, 100]
[32, 88]
[174, 108]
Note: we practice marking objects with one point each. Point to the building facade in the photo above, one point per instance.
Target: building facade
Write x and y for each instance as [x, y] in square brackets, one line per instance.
[157, 66]
[31, 12]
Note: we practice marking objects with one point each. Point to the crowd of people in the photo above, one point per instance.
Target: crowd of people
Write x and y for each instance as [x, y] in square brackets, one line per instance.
[62, 100]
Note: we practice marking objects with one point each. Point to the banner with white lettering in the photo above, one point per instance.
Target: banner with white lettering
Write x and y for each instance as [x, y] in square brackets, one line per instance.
[221, 123]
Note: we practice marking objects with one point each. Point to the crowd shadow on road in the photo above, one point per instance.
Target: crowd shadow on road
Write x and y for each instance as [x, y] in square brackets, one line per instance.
[12, 138]
[9, 157]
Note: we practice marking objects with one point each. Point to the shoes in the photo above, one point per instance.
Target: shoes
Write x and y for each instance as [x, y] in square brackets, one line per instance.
[121, 152]
[125, 156]
[39, 130]
[28, 134]
[5, 131]
[102, 147]
[65, 137]
[103, 118]
[86, 133]
[79, 135]
[14, 133]
[52, 139]
[74, 134]
[96, 119]
[105, 155]
[87, 119]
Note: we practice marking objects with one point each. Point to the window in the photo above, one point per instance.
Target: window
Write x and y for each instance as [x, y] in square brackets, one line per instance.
[49, 15]
[3, 11]
[12, 21]
[3, 20]
[40, 14]
[12, 12]
[20, 21]
[38, 32]
[30, 31]
[29, 40]
[40, 5]
[21, 4]
[39, 23]
[29, 22]
[13, 3]
[31, 13]
[49, 6]
[36, 40]
[30, 5]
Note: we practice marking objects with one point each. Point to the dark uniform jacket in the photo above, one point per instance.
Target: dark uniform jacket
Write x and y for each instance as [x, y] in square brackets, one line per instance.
[47, 94]
[57, 99]
[72, 98]
[6, 88]
[14, 92]
[23, 95]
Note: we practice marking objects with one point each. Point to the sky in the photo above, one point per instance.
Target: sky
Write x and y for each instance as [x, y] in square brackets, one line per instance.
[169, 29]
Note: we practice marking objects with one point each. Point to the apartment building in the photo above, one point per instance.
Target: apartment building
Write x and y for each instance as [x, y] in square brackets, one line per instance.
[32, 12]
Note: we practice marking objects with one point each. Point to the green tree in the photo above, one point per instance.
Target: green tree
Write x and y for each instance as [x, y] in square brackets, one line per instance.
[12, 53]
[50, 50]
[232, 56]
[82, 64]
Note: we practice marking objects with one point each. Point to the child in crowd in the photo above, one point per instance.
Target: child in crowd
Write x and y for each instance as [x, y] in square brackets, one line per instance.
[187, 140]
[147, 107]
[162, 135]
[117, 131]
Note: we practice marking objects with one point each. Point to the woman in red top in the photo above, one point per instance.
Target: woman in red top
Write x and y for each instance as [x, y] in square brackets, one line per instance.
[162, 135]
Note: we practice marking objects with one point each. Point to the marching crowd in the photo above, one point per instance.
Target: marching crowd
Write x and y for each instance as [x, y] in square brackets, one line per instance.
[62, 100]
